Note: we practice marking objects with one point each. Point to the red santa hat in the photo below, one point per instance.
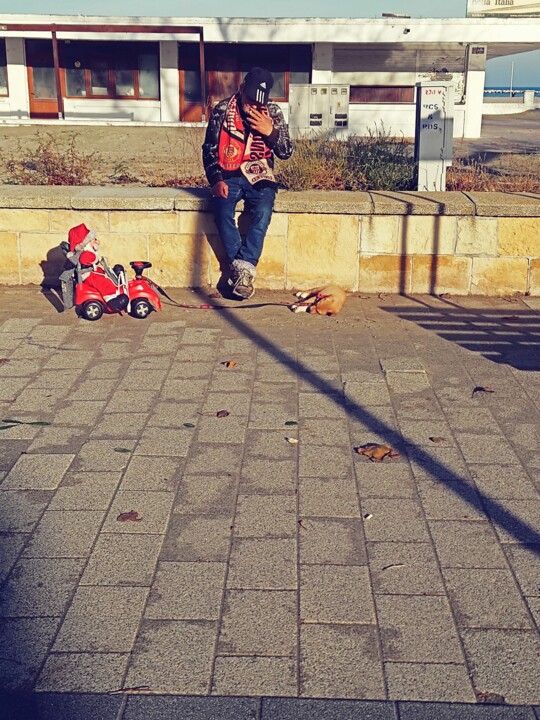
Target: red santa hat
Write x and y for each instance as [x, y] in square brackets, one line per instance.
[80, 234]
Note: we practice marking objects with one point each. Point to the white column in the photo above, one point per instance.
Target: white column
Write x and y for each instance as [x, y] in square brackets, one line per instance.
[19, 99]
[474, 83]
[169, 81]
[322, 69]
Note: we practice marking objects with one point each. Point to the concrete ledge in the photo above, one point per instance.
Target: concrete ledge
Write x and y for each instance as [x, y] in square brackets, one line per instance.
[459, 243]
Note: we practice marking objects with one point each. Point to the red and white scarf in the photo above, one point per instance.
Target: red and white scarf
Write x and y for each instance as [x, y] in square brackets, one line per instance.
[236, 151]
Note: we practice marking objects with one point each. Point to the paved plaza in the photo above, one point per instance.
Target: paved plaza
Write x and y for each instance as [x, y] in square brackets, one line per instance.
[159, 560]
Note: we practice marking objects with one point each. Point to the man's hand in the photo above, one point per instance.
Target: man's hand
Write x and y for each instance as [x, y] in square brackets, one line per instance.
[220, 189]
[259, 121]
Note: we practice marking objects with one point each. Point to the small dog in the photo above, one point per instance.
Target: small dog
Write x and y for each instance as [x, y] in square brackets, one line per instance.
[327, 300]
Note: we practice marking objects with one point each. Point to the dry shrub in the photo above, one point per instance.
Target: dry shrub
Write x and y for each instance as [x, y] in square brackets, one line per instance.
[473, 175]
[49, 163]
[317, 163]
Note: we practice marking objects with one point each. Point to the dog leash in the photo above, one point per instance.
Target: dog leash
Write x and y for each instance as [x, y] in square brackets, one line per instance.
[208, 306]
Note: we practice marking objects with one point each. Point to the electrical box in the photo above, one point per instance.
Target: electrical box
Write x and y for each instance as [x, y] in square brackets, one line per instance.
[315, 108]
[434, 132]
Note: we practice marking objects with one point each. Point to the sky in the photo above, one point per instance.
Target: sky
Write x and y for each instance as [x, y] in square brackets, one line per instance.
[526, 70]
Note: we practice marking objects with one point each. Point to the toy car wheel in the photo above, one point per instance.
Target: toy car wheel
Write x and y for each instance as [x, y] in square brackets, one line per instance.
[140, 309]
[92, 310]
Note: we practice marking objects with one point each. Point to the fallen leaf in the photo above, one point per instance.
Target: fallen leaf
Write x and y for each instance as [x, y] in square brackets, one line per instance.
[437, 439]
[302, 524]
[3, 361]
[292, 441]
[510, 317]
[189, 425]
[491, 698]
[26, 422]
[131, 516]
[291, 423]
[6, 427]
[376, 452]
[480, 388]
[139, 689]
[230, 363]
[368, 516]
[222, 413]
[394, 565]
[122, 450]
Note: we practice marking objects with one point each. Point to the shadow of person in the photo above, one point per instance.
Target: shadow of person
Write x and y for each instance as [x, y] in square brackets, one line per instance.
[52, 267]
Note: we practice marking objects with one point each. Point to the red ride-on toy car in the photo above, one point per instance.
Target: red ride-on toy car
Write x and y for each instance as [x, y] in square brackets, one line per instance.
[141, 293]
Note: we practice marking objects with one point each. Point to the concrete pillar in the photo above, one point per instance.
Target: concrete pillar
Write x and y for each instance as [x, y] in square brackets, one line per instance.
[19, 99]
[169, 81]
[323, 56]
[528, 97]
[475, 79]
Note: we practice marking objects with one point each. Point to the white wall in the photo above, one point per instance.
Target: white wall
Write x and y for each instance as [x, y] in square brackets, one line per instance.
[169, 82]
[127, 110]
[16, 106]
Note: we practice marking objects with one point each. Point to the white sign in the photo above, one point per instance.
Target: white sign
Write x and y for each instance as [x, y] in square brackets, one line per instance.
[434, 131]
[502, 8]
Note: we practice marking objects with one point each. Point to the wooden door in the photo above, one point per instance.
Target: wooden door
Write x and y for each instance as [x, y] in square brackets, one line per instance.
[41, 79]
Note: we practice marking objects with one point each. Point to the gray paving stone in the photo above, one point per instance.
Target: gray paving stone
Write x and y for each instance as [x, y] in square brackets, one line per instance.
[272, 415]
[449, 500]
[156, 474]
[420, 681]
[197, 539]
[394, 520]
[366, 394]
[122, 560]
[525, 562]
[237, 404]
[263, 564]
[275, 708]
[200, 336]
[271, 444]
[21, 510]
[166, 707]
[504, 482]
[120, 425]
[40, 588]
[417, 629]
[69, 359]
[472, 419]
[20, 432]
[321, 406]
[174, 414]
[59, 440]
[420, 432]
[332, 541]
[255, 676]
[334, 462]
[340, 661]
[259, 622]
[424, 406]
[85, 491]
[154, 509]
[102, 619]
[336, 595]
[477, 448]
[212, 458]
[458, 711]
[80, 413]
[207, 495]
[59, 706]
[265, 516]
[404, 569]
[143, 379]
[83, 672]
[11, 545]
[516, 521]
[221, 430]
[466, 544]
[187, 591]
[101, 456]
[486, 599]
[328, 497]
[313, 431]
[407, 383]
[384, 480]
[268, 476]
[103, 385]
[122, 399]
[64, 533]
[23, 647]
[173, 657]
[507, 660]
[402, 364]
[168, 442]
[436, 463]
[37, 472]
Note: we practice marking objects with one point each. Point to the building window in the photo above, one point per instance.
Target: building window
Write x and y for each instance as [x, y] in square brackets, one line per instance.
[382, 94]
[3, 68]
[111, 69]
[227, 63]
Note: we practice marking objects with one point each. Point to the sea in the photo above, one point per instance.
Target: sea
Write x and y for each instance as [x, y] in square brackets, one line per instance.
[504, 91]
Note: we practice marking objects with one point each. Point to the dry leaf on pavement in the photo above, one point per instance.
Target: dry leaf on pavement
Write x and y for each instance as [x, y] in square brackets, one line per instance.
[229, 363]
[131, 516]
[482, 389]
[222, 413]
[376, 452]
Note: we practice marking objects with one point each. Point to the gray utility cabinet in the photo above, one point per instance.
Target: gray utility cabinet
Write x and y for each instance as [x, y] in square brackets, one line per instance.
[315, 108]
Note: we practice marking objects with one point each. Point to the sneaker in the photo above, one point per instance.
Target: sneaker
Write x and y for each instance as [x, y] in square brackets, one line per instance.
[242, 283]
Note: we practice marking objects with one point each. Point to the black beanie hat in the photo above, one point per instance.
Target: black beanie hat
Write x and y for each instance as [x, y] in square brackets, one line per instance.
[257, 84]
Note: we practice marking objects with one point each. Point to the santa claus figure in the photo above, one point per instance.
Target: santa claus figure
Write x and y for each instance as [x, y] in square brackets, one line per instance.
[84, 244]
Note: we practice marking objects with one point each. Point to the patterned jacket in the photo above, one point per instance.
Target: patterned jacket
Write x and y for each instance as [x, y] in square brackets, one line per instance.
[278, 141]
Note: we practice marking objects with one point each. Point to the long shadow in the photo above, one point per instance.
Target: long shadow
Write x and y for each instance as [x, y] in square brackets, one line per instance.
[510, 337]
[521, 531]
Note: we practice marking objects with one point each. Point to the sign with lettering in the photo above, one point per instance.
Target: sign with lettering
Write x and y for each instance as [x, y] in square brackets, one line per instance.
[433, 136]
[503, 8]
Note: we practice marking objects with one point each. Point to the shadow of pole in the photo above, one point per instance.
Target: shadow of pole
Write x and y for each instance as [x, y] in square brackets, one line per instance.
[521, 531]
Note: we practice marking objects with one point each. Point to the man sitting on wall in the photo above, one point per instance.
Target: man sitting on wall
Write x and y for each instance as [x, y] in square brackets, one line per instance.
[244, 132]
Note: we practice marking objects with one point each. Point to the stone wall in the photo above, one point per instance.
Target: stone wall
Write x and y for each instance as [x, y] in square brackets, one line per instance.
[460, 243]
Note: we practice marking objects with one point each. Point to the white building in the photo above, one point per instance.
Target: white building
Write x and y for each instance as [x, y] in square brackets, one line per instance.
[163, 70]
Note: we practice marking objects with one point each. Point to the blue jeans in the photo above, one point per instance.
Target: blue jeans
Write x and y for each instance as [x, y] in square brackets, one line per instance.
[258, 203]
